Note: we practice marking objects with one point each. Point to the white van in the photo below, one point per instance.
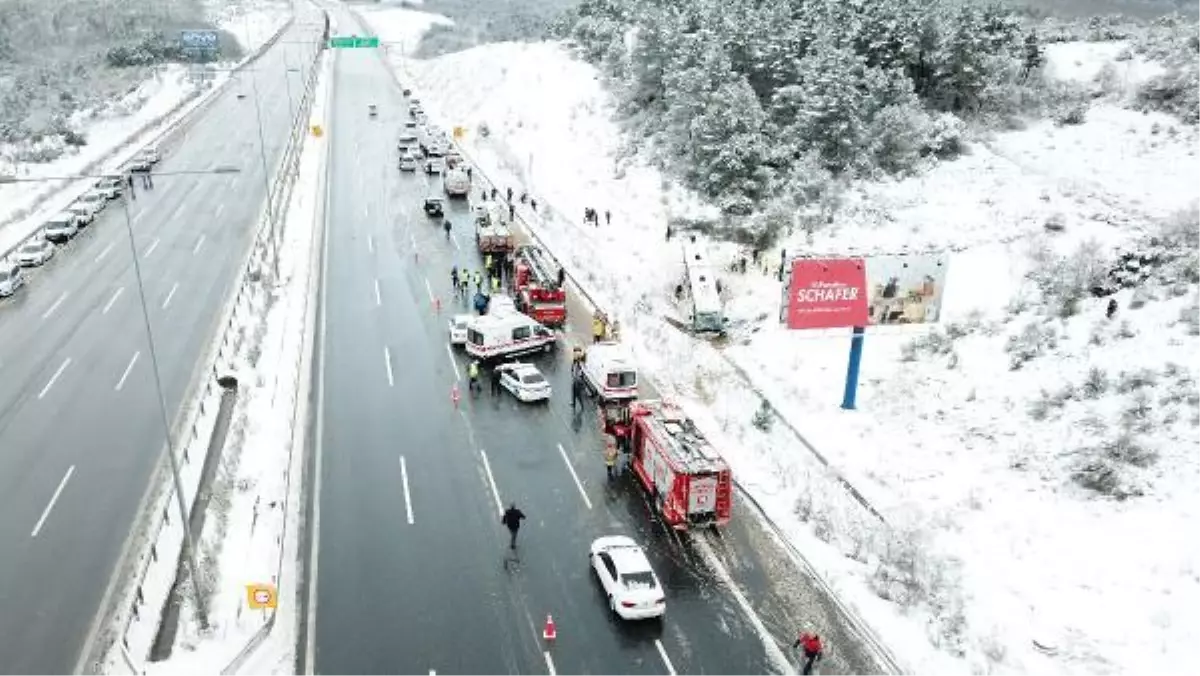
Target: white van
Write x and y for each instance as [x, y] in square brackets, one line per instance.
[610, 372]
[508, 334]
[11, 278]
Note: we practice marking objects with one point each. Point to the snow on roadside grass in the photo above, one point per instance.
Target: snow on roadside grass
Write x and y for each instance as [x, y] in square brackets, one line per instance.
[969, 461]
[253, 23]
[253, 509]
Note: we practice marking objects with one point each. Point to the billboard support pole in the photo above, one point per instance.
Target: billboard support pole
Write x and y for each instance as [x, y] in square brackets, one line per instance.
[856, 346]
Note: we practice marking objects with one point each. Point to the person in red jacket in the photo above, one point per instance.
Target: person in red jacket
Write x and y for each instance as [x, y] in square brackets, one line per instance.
[811, 644]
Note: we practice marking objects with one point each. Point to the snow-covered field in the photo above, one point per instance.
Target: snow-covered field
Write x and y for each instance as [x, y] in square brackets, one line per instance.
[146, 111]
[997, 558]
[257, 489]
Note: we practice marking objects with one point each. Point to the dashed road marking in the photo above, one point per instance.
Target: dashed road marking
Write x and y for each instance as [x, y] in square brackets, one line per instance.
[662, 652]
[170, 295]
[61, 298]
[407, 497]
[121, 382]
[370, 244]
[199, 243]
[53, 499]
[387, 361]
[429, 288]
[487, 467]
[115, 296]
[104, 253]
[549, 663]
[53, 378]
[151, 248]
[578, 483]
[453, 363]
[378, 298]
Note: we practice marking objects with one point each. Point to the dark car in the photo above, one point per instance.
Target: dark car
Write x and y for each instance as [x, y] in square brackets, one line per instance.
[434, 207]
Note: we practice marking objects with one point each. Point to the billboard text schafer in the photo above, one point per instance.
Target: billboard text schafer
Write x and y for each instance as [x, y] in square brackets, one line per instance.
[822, 293]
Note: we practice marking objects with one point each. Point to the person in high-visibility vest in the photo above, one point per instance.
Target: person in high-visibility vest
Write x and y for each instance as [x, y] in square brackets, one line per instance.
[473, 375]
[487, 263]
[495, 285]
[597, 328]
[478, 281]
[610, 456]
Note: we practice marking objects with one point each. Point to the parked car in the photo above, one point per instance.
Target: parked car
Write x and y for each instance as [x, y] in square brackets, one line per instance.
[408, 162]
[150, 155]
[524, 381]
[634, 592]
[11, 278]
[458, 329]
[94, 200]
[35, 252]
[372, 110]
[137, 165]
[85, 212]
[434, 165]
[61, 228]
[111, 187]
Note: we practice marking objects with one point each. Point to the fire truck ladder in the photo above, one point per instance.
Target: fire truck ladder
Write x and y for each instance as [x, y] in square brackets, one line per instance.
[538, 266]
[687, 444]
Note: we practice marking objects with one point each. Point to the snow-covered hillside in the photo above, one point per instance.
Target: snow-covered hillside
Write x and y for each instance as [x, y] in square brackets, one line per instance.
[1035, 460]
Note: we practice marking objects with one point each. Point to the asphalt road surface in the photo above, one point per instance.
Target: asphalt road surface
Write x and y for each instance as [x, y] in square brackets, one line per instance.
[80, 429]
[413, 571]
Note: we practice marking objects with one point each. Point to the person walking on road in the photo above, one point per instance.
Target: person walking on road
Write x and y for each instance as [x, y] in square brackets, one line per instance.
[464, 285]
[577, 389]
[607, 217]
[496, 389]
[473, 376]
[512, 520]
[811, 644]
[129, 180]
[454, 279]
[509, 195]
[610, 456]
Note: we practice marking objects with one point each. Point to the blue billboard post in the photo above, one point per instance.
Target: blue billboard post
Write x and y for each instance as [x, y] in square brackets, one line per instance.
[856, 346]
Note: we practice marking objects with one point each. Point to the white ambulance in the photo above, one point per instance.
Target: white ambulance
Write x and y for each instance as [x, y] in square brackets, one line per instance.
[507, 334]
[610, 372]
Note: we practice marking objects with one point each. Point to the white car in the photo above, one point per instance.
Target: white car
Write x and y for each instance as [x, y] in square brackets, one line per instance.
[408, 162]
[524, 381]
[434, 165]
[110, 187]
[150, 155]
[35, 252]
[634, 592]
[61, 228]
[458, 329]
[85, 212]
[93, 199]
[11, 278]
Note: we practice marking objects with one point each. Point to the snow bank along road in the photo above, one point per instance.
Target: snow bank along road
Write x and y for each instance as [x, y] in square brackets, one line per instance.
[412, 571]
[80, 433]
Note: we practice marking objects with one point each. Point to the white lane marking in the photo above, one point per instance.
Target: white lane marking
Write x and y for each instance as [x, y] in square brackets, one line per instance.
[104, 253]
[115, 296]
[366, 211]
[50, 383]
[764, 636]
[370, 244]
[495, 493]
[578, 483]
[662, 652]
[412, 238]
[47, 313]
[455, 241]
[53, 499]
[407, 498]
[378, 298]
[429, 289]
[199, 243]
[453, 363]
[121, 382]
[220, 208]
[152, 247]
[549, 663]
[387, 361]
[170, 295]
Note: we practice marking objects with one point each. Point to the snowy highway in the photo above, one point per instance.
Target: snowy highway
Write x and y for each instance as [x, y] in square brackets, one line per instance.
[80, 432]
[409, 567]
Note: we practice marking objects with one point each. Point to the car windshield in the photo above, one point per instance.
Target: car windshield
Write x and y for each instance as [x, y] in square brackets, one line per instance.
[532, 378]
[33, 247]
[642, 580]
[622, 379]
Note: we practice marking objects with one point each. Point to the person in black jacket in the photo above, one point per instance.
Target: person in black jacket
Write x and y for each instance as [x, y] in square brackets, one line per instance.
[576, 388]
[496, 389]
[512, 520]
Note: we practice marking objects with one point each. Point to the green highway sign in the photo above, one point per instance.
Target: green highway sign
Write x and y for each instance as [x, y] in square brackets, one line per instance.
[352, 42]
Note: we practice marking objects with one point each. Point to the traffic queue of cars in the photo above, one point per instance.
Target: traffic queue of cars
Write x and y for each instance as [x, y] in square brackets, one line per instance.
[64, 226]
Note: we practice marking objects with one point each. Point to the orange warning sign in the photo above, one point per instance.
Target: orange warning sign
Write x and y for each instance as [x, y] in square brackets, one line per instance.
[261, 596]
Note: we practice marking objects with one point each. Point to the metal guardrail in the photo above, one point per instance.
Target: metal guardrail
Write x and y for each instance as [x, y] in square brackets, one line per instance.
[885, 655]
[207, 98]
[244, 301]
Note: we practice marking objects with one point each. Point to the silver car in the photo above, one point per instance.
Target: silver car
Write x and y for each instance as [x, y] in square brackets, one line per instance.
[35, 252]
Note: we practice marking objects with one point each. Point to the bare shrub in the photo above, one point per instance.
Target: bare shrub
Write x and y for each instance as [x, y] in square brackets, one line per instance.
[1071, 114]
[1125, 330]
[1189, 316]
[1140, 297]
[1127, 450]
[1039, 408]
[1095, 384]
[763, 417]
[905, 575]
[1128, 381]
[1136, 416]
[1033, 340]
[1065, 281]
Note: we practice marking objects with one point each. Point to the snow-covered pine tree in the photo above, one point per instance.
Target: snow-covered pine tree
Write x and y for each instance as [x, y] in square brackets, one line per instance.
[828, 105]
[728, 149]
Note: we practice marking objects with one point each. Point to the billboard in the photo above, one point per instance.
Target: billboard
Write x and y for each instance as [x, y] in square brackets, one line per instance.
[824, 293]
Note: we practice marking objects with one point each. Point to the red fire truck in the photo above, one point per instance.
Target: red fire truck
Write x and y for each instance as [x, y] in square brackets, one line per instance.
[538, 291]
[690, 483]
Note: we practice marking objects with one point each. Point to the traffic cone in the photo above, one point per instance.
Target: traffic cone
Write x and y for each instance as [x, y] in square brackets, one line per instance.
[550, 632]
[437, 305]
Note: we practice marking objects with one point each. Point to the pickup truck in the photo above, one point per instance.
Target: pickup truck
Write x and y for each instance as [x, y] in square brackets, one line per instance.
[491, 232]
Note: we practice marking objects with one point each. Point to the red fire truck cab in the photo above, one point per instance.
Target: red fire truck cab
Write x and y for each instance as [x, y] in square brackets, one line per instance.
[538, 291]
[690, 483]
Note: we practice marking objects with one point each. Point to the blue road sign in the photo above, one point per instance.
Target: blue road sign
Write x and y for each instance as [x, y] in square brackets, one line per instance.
[199, 39]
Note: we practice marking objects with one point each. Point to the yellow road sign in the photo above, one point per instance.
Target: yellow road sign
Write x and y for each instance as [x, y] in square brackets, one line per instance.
[460, 132]
[261, 596]
[317, 131]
